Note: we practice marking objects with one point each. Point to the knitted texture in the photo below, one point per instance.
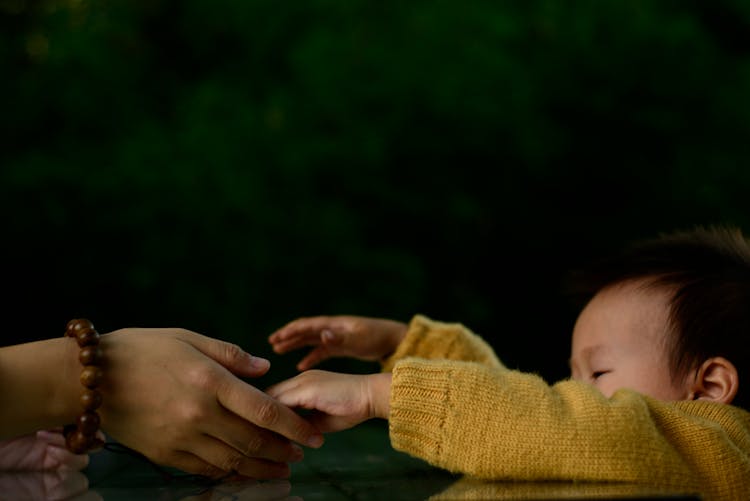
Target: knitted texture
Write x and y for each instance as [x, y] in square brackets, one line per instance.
[426, 338]
[468, 488]
[479, 418]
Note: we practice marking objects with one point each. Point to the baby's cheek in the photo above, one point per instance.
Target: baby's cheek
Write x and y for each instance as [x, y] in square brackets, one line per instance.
[607, 388]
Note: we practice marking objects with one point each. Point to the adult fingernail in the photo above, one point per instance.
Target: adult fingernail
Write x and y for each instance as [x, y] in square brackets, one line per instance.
[315, 441]
[328, 335]
[259, 363]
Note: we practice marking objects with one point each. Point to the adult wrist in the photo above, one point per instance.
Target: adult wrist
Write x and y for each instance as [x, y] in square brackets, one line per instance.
[66, 386]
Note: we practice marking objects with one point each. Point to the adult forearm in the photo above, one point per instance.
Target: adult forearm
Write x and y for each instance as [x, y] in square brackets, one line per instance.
[39, 386]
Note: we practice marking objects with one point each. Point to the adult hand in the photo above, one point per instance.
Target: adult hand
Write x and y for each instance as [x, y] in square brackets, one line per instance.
[339, 336]
[41, 451]
[172, 395]
[342, 400]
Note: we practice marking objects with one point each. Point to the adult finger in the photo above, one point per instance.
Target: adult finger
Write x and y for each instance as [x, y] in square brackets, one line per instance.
[190, 463]
[252, 441]
[255, 406]
[228, 459]
[230, 355]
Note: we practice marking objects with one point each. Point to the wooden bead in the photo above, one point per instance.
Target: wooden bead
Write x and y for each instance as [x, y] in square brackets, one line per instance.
[91, 355]
[91, 400]
[81, 437]
[91, 376]
[78, 442]
[87, 337]
[88, 422]
[77, 324]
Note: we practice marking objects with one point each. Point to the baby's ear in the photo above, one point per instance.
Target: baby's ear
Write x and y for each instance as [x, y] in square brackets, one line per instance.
[716, 381]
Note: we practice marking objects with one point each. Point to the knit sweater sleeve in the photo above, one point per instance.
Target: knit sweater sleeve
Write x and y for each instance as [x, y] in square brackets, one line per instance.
[491, 422]
[426, 338]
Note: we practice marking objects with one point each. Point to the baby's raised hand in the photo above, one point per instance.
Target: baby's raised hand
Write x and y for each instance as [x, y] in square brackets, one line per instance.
[339, 336]
[40, 451]
[342, 400]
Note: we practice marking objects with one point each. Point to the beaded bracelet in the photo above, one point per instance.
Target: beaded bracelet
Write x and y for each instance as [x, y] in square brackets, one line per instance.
[81, 436]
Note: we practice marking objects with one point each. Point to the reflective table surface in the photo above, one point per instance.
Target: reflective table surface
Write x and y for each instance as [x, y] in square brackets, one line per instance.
[357, 464]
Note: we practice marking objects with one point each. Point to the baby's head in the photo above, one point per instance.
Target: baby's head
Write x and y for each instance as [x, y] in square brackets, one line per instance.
[669, 318]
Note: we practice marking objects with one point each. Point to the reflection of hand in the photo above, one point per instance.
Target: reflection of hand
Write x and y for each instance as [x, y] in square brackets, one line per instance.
[249, 490]
[343, 400]
[339, 336]
[43, 450]
[52, 485]
[172, 395]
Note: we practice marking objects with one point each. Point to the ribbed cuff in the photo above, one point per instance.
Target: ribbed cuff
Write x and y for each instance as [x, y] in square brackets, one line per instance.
[420, 399]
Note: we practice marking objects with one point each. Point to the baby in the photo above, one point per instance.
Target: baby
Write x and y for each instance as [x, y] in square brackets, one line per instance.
[657, 357]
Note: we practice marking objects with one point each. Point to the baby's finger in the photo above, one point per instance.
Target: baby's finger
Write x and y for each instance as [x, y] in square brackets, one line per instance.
[294, 343]
[314, 358]
[307, 326]
[290, 329]
[328, 423]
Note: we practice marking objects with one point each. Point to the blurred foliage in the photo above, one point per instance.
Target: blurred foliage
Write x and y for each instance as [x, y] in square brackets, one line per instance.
[227, 167]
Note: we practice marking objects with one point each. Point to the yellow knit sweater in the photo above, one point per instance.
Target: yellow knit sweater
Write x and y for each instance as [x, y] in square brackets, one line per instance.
[456, 406]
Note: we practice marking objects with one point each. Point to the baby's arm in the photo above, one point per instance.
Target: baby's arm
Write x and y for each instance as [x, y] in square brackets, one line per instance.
[341, 400]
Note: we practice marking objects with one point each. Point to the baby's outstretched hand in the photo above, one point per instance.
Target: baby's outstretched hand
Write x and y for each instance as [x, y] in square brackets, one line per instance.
[341, 400]
[339, 336]
[40, 451]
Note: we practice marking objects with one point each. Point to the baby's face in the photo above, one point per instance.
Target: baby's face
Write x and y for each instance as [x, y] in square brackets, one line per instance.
[619, 341]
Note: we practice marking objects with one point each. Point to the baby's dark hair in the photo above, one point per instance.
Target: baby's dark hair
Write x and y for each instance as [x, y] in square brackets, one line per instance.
[707, 271]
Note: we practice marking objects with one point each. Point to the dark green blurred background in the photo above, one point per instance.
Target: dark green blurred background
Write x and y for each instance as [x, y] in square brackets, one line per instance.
[229, 166]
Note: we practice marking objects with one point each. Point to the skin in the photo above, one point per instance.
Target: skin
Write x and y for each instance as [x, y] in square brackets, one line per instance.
[41, 451]
[364, 338]
[171, 394]
[619, 341]
[57, 484]
[340, 400]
